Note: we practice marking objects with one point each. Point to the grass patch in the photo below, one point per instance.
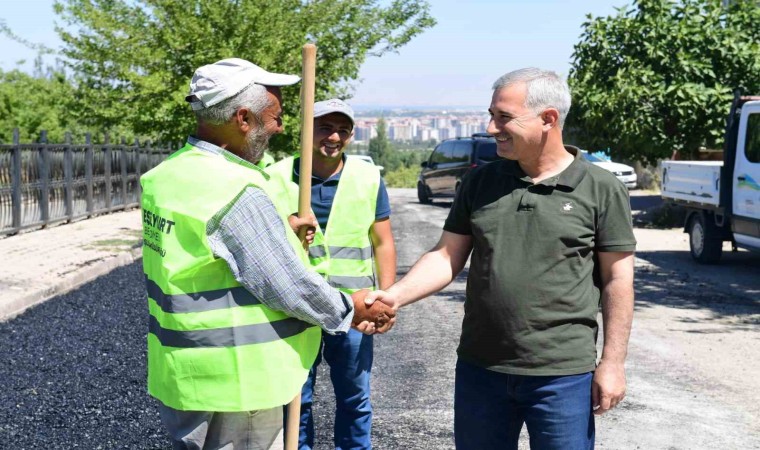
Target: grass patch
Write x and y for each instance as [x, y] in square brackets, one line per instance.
[405, 177]
[113, 245]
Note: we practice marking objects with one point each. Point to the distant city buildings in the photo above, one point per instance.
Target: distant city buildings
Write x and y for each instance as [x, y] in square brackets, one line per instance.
[364, 131]
[431, 127]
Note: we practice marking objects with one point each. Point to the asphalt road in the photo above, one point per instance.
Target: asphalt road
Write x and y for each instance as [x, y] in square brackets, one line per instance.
[73, 369]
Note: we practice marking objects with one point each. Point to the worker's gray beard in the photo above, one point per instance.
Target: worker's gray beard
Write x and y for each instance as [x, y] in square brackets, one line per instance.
[256, 142]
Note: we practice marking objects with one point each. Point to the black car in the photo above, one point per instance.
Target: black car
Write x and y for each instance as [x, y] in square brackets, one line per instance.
[442, 173]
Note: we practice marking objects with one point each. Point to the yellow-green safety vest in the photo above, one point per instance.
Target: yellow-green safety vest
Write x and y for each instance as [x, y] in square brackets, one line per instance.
[265, 161]
[343, 252]
[212, 346]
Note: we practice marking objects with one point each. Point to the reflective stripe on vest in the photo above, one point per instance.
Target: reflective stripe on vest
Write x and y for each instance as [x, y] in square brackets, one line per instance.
[200, 301]
[345, 282]
[343, 252]
[212, 346]
[351, 252]
[258, 333]
[317, 251]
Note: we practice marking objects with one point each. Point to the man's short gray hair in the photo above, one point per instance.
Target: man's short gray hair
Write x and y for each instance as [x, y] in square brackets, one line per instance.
[545, 89]
[254, 97]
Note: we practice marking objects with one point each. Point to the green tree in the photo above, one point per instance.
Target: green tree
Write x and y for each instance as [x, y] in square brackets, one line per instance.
[413, 158]
[380, 147]
[658, 76]
[133, 59]
[33, 103]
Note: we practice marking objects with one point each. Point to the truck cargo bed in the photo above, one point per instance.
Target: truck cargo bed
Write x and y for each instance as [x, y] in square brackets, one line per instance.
[692, 181]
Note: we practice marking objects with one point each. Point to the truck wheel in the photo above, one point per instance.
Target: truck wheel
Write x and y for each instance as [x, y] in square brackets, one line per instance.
[705, 249]
[422, 194]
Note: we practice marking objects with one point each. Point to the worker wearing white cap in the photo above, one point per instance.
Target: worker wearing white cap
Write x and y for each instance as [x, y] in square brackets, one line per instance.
[235, 317]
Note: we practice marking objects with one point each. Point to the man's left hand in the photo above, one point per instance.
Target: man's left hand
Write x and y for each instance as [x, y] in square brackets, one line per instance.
[608, 386]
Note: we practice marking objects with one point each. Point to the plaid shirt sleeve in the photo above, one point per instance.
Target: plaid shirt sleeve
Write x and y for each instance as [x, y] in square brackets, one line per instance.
[250, 236]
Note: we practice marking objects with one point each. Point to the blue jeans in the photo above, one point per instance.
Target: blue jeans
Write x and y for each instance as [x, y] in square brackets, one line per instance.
[491, 407]
[350, 359]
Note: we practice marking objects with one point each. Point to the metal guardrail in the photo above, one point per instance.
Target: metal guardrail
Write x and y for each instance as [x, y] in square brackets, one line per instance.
[43, 183]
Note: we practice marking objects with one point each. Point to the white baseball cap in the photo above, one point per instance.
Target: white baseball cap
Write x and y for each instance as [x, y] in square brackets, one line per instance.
[334, 105]
[214, 83]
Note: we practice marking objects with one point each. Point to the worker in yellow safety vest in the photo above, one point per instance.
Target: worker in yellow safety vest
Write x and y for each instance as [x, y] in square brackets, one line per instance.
[353, 249]
[235, 316]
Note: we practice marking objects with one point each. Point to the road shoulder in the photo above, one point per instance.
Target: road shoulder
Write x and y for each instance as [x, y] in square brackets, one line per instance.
[41, 264]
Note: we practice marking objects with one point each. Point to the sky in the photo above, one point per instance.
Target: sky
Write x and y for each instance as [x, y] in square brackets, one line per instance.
[452, 64]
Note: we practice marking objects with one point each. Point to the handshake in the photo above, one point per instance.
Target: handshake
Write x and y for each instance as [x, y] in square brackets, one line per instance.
[375, 317]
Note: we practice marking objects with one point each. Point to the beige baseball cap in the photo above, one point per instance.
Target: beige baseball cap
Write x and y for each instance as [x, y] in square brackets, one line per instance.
[213, 83]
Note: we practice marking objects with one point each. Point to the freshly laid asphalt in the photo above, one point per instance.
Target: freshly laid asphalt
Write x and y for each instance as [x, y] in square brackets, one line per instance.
[72, 369]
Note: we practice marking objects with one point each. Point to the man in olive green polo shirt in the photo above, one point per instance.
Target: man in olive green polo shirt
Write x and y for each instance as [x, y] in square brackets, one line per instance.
[551, 238]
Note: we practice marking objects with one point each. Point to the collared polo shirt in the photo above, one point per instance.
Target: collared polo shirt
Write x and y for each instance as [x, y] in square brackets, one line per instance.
[533, 288]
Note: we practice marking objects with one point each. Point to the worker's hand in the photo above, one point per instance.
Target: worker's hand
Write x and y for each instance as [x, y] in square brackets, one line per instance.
[382, 296]
[365, 327]
[608, 386]
[370, 328]
[370, 319]
[309, 221]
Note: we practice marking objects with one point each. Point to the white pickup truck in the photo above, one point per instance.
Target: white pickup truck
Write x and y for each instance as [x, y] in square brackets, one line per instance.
[722, 197]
